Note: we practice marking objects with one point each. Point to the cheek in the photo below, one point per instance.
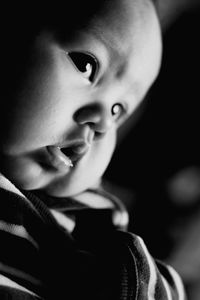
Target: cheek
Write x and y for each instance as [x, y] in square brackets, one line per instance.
[38, 112]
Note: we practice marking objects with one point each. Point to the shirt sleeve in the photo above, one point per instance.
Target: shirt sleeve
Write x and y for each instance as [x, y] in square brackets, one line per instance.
[9, 289]
[154, 280]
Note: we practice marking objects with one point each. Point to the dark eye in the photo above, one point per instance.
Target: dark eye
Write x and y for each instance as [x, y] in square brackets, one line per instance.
[86, 63]
[117, 110]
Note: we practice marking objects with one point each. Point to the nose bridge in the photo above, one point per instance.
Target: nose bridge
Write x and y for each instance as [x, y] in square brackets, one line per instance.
[97, 115]
[98, 111]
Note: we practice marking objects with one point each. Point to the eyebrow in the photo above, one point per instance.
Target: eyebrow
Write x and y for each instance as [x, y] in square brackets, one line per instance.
[110, 43]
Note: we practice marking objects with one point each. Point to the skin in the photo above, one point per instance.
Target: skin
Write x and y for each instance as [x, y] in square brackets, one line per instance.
[58, 105]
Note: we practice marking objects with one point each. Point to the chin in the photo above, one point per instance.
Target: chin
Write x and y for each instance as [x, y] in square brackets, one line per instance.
[30, 185]
[58, 191]
[71, 185]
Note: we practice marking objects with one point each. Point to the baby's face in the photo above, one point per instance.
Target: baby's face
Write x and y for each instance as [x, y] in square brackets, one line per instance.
[62, 123]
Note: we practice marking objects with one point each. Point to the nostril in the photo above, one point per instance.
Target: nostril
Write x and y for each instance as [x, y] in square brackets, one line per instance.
[87, 115]
[99, 135]
[97, 117]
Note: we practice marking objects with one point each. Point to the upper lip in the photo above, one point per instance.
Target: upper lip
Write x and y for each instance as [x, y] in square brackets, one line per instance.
[75, 143]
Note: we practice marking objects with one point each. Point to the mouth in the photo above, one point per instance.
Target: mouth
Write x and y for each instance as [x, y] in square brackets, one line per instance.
[66, 157]
[75, 152]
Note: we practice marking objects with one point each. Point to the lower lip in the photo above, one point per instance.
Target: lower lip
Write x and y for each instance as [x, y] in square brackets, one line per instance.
[58, 160]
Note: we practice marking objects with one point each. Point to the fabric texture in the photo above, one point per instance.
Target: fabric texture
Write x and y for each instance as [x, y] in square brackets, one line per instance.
[71, 249]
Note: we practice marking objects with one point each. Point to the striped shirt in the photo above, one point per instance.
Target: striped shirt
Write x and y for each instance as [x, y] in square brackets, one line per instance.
[76, 249]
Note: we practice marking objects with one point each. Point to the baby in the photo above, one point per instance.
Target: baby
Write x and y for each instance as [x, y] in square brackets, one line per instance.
[71, 79]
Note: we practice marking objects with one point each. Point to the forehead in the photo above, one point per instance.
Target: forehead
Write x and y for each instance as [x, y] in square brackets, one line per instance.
[124, 25]
[130, 31]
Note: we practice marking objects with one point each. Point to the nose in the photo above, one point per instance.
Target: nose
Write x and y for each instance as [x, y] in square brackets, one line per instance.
[98, 118]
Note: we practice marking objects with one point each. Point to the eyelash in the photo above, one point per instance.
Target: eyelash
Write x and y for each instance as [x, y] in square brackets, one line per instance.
[85, 63]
